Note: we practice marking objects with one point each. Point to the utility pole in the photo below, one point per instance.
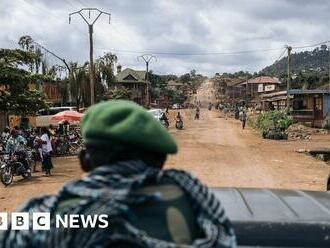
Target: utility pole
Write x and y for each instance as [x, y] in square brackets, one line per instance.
[329, 62]
[90, 22]
[147, 58]
[288, 83]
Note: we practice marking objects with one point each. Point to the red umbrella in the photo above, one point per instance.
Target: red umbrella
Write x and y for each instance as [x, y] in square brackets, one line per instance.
[68, 115]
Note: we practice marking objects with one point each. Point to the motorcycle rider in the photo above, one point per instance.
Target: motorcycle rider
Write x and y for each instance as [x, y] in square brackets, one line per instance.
[179, 118]
[5, 135]
[15, 140]
[16, 144]
[147, 206]
[164, 118]
[210, 106]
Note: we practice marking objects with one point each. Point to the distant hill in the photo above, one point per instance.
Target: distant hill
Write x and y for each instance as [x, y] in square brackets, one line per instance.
[316, 60]
[311, 68]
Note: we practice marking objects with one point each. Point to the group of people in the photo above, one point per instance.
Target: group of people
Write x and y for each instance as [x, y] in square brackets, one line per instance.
[146, 205]
[165, 117]
[240, 112]
[16, 140]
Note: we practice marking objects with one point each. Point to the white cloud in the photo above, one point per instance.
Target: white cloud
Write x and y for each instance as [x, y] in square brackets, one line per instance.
[171, 26]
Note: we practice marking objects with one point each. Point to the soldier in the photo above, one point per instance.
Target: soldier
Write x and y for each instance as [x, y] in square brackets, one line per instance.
[125, 152]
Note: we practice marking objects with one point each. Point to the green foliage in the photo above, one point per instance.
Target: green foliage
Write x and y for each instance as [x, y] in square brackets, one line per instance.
[175, 97]
[311, 68]
[241, 74]
[118, 93]
[186, 78]
[24, 103]
[78, 82]
[15, 98]
[16, 57]
[273, 124]
[104, 68]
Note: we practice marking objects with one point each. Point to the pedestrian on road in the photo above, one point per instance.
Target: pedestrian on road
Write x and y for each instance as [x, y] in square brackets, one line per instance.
[46, 147]
[126, 149]
[225, 111]
[243, 118]
[197, 113]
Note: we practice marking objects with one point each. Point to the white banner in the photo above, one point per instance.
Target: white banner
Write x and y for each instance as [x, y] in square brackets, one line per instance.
[270, 87]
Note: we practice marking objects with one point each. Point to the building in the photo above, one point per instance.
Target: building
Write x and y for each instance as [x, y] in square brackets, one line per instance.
[136, 82]
[256, 86]
[229, 89]
[161, 102]
[174, 85]
[235, 91]
[309, 106]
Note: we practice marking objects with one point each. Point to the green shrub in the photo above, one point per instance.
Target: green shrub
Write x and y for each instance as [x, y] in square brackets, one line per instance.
[273, 124]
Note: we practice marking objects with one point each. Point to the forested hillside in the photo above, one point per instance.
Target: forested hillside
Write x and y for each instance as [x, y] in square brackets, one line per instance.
[310, 69]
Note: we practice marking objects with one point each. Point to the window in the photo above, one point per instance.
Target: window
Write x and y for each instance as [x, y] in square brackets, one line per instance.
[318, 103]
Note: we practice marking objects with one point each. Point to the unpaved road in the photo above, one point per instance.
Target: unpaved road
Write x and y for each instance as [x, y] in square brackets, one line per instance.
[220, 153]
[205, 93]
[216, 150]
[212, 148]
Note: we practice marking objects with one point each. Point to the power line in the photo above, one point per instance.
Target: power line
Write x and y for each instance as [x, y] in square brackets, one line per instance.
[313, 45]
[193, 54]
[281, 55]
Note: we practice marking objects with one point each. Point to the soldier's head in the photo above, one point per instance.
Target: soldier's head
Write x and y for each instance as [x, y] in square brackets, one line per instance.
[120, 131]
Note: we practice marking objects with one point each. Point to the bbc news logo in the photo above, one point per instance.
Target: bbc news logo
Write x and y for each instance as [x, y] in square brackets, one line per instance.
[42, 221]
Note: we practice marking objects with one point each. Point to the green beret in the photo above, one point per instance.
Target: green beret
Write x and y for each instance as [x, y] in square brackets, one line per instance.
[125, 123]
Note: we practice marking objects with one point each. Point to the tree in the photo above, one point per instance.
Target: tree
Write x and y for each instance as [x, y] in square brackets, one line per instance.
[78, 81]
[104, 73]
[16, 98]
[117, 93]
[27, 44]
[185, 78]
[175, 96]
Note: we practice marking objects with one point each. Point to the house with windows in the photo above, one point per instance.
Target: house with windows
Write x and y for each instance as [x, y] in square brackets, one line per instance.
[229, 89]
[260, 85]
[136, 82]
[308, 106]
[174, 85]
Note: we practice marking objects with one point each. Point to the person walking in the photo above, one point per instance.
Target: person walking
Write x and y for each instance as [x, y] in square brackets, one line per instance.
[243, 118]
[147, 206]
[46, 148]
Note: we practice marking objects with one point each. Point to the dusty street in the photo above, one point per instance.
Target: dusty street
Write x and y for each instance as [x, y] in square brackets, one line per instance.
[214, 149]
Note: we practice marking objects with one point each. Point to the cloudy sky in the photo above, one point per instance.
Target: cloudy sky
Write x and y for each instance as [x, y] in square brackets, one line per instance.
[184, 34]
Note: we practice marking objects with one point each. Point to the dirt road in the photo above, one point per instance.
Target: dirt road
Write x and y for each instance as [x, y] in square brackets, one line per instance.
[212, 148]
[216, 150]
[205, 93]
[222, 154]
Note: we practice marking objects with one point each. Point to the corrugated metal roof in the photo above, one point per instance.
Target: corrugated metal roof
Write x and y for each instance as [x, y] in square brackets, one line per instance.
[263, 80]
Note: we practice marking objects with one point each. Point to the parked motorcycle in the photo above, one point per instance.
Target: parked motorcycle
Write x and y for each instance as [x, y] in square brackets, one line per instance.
[68, 144]
[14, 165]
